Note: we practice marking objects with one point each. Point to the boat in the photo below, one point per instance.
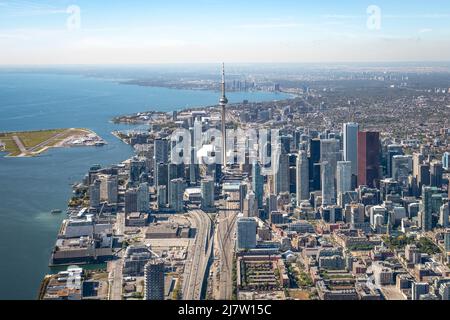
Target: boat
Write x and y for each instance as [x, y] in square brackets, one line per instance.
[56, 211]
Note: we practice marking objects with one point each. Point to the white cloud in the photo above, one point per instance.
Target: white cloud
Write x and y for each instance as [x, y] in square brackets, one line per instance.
[418, 16]
[269, 25]
[425, 30]
[14, 36]
[389, 16]
[341, 16]
[20, 8]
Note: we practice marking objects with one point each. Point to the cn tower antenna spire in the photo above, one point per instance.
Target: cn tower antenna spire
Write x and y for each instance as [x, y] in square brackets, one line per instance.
[224, 99]
[223, 103]
[223, 79]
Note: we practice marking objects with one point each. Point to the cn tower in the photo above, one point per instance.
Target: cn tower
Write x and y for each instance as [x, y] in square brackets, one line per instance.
[223, 103]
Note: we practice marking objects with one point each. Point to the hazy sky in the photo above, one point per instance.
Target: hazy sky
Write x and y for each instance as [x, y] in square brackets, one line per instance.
[178, 31]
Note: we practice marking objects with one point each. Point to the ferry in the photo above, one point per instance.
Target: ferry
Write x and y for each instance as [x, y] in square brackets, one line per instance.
[56, 211]
[99, 143]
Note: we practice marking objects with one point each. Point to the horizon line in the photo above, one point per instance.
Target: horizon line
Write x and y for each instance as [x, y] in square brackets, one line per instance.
[229, 63]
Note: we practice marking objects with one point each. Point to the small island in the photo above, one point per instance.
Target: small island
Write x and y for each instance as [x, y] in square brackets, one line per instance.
[33, 143]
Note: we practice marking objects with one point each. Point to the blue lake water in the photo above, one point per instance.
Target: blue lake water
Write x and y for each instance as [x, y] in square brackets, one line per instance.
[31, 187]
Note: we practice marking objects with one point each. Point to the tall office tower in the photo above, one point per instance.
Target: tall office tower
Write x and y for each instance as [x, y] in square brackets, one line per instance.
[207, 187]
[329, 156]
[447, 241]
[218, 173]
[314, 165]
[194, 169]
[286, 142]
[443, 216]
[436, 172]
[93, 173]
[417, 161]
[196, 138]
[134, 170]
[161, 152]
[423, 179]
[108, 188]
[280, 164]
[143, 198]
[258, 184]
[392, 150]
[413, 187]
[174, 171]
[271, 203]
[351, 145]
[328, 192]
[131, 197]
[329, 151]
[246, 233]
[343, 177]
[302, 177]
[113, 189]
[104, 186]
[293, 174]
[243, 188]
[137, 167]
[154, 280]
[213, 170]
[194, 173]
[176, 194]
[94, 194]
[161, 175]
[356, 214]
[298, 134]
[368, 158]
[401, 168]
[250, 205]
[223, 104]
[419, 289]
[446, 161]
[161, 194]
[413, 210]
[426, 211]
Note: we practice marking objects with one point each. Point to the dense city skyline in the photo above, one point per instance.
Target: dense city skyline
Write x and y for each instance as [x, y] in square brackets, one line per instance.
[224, 155]
[305, 210]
